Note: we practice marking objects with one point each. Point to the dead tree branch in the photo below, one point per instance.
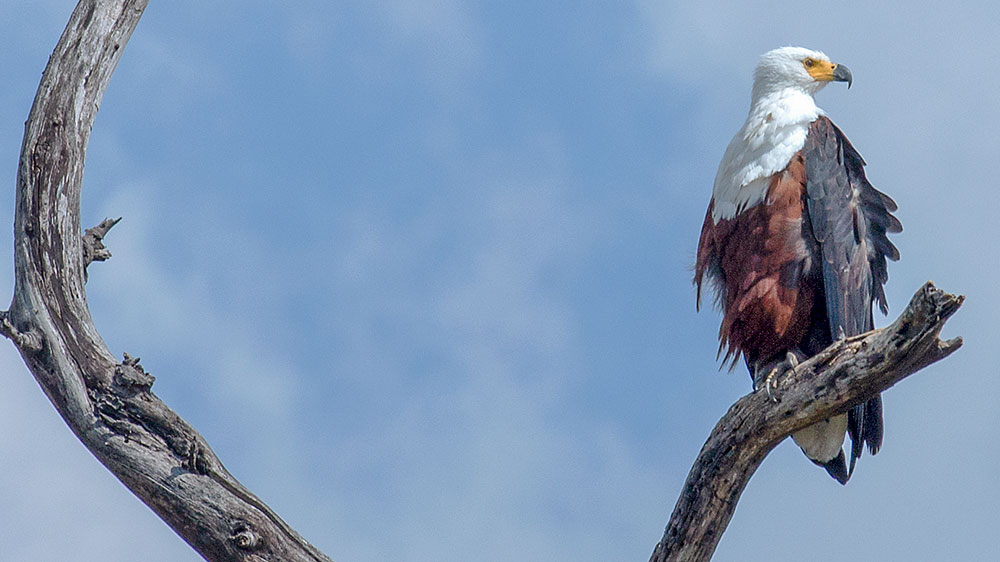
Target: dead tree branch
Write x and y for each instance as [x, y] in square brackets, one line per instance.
[93, 243]
[107, 403]
[830, 383]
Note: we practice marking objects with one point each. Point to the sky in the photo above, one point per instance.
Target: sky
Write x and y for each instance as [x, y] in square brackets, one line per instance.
[420, 272]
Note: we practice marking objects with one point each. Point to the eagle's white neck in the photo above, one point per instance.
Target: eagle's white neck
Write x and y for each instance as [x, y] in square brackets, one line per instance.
[774, 131]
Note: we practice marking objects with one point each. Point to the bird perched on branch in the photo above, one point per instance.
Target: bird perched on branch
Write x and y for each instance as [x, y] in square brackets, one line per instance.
[794, 243]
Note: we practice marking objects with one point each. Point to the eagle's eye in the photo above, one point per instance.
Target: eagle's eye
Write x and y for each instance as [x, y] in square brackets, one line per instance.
[809, 62]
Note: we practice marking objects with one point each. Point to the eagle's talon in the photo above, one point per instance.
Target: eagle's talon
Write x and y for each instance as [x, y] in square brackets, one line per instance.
[795, 241]
[792, 360]
[784, 367]
[769, 383]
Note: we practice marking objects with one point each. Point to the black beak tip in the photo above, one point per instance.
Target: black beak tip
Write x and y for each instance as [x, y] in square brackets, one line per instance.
[843, 74]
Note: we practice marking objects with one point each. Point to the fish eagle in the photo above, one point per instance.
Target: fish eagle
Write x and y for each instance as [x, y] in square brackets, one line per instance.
[794, 243]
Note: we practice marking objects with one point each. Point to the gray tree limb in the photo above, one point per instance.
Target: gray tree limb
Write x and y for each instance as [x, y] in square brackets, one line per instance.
[108, 403]
[847, 373]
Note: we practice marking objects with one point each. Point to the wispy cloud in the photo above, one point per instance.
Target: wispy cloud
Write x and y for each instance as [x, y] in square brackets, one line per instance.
[353, 250]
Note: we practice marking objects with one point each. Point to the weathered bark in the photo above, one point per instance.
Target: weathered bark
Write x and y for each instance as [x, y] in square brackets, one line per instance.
[841, 376]
[107, 403]
[93, 243]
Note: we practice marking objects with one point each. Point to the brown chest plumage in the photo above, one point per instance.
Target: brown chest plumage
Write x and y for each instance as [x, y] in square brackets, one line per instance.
[803, 266]
[762, 263]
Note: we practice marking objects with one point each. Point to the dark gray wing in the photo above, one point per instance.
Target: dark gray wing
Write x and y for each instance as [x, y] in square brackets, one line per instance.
[850, 219]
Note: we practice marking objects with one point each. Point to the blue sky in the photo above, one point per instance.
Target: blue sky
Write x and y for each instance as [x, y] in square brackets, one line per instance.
[420, 273]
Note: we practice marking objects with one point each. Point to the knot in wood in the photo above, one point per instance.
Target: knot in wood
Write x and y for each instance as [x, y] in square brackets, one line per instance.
[194, 458]
[130, 374]
[93, 245]
[244, 538]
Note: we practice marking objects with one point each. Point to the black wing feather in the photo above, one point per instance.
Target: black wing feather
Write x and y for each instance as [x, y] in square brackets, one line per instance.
[850, 219]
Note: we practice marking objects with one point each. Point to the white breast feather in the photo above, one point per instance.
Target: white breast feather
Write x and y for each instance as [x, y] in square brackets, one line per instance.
[774, 131]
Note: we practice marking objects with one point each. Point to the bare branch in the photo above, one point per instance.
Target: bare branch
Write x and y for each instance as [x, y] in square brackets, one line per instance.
[165, 462]
[845, 374]
[93, 243]
[26, 340]
[108, 404]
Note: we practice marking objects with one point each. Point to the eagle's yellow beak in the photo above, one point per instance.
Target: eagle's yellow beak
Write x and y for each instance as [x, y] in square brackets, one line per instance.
[825, 71]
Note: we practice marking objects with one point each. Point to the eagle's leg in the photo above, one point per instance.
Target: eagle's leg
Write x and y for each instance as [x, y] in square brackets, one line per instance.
[764, 374]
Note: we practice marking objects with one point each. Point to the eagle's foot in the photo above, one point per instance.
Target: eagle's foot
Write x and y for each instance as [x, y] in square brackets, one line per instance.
[768, 381]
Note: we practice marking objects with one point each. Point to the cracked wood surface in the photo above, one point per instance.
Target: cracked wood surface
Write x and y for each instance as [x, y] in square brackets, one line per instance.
[108, 403]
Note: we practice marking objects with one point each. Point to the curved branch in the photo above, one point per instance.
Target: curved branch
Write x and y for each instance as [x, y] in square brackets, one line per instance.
[169, 466]
[845, 374]
[107, 403]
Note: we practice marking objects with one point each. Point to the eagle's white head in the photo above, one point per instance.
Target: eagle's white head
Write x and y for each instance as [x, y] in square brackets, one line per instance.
[781, 109]
[795, 69]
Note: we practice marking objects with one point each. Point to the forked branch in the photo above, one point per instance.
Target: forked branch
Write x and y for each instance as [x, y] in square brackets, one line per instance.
[109, 404]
